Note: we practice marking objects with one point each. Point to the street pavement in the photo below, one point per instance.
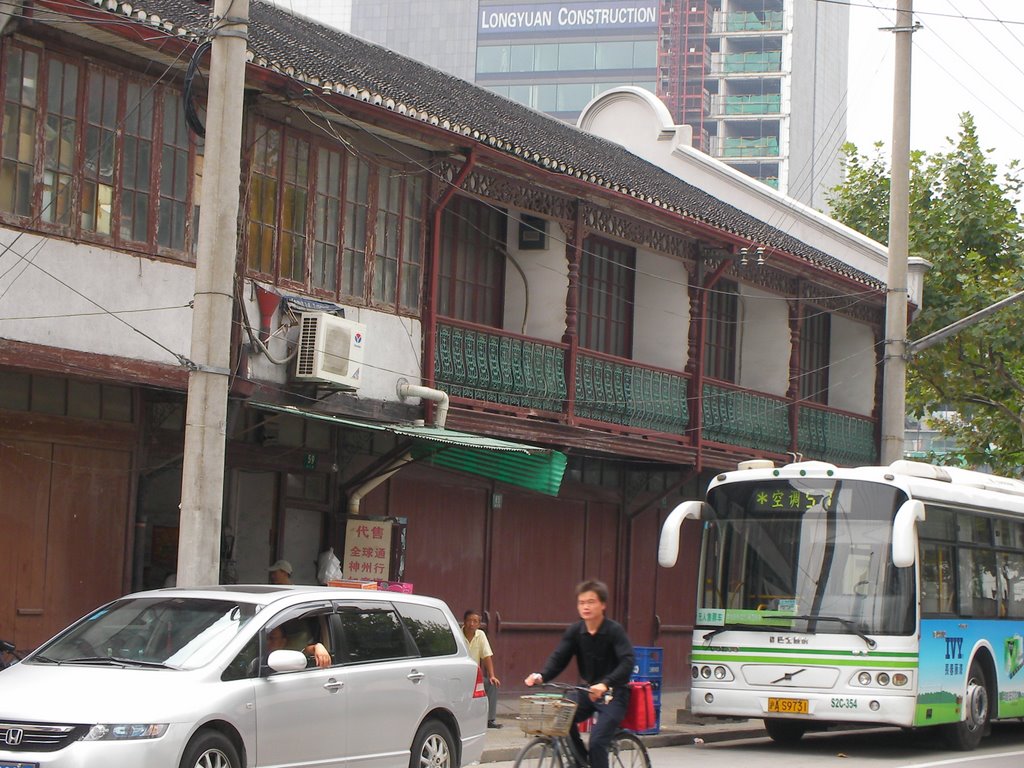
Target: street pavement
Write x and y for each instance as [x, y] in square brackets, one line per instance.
[678, 727]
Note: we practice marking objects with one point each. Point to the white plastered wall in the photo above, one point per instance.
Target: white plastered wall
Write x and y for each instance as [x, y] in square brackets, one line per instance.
[763, 340]
[540, 301]
[91, 299]
[854, 368]
[661, 316]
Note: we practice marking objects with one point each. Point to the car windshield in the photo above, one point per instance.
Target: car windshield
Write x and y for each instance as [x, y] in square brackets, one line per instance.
[174, 632]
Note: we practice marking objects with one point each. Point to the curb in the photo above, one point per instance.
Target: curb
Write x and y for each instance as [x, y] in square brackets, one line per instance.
[505, 754]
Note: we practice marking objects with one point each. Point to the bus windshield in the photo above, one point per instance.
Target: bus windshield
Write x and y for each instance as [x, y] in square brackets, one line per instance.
[804, 555]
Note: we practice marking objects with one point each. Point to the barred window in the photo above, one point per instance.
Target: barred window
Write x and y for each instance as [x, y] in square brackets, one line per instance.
[722, 311]
[472, 270]
[814, 355]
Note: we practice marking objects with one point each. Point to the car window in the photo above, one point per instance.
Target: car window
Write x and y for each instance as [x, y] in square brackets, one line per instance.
[372, 632]
[298, 629]
[429, 629]
[246, 663]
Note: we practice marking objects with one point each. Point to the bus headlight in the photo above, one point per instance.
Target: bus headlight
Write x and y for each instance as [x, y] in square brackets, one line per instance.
[705, 672]
[864, 678]
[883, 678]
[900, 679]
[720, 673]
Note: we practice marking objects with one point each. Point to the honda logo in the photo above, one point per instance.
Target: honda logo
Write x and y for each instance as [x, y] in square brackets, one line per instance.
[14, 736]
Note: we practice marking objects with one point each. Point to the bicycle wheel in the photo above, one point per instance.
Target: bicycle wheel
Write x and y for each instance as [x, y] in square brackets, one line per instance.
[627, 751]
[541, 752]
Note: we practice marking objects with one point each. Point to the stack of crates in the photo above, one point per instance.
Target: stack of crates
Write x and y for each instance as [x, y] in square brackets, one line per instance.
[647, 667]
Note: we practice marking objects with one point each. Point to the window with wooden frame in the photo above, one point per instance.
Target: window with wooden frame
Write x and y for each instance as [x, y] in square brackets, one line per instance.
[108, 147]
[607, 272]
[472, 269]
[331, 222]
[815, 349]
[721, 309]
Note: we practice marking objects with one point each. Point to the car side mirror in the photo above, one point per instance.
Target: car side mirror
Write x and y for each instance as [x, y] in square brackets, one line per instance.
[286, 661]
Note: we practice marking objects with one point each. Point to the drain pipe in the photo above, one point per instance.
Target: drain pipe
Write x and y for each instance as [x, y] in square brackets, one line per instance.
[356, 497]
[405, 389]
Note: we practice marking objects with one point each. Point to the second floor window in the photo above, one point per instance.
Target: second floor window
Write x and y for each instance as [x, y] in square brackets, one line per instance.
[722, 312]
[814, 355]
[472, 270]
[93, 153]
[606, 297]
[332, 222]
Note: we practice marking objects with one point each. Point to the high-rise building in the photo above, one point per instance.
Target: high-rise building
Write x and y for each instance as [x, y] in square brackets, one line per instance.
[761, 82]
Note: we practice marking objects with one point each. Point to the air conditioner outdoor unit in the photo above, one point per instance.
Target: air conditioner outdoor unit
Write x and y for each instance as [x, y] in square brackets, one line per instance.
[330, 350]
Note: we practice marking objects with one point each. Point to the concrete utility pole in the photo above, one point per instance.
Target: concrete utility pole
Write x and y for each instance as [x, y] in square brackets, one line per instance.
[202, 473]
[894, 386]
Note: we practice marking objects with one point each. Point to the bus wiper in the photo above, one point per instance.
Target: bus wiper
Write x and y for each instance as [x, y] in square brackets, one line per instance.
[849, 625]
[707, 638]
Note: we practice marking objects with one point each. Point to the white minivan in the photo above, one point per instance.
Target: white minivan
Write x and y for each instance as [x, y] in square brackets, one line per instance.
[244, 676]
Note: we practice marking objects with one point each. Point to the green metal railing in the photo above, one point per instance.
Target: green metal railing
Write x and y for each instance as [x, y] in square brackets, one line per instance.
[620, 392]
[836, 437]
[738, 417]
[497, 368]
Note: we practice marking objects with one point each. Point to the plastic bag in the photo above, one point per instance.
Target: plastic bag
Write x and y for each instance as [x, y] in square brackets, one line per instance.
[328, 566]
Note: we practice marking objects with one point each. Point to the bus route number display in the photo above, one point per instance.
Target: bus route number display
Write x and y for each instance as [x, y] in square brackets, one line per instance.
[776, 499]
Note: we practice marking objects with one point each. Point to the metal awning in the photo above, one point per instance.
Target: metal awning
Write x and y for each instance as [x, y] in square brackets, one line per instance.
[528, 466]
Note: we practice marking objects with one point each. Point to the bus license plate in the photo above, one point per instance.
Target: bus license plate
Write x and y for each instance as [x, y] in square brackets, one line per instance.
[793, 706]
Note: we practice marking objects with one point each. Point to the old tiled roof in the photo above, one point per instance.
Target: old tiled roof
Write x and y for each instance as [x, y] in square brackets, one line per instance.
[333, 60]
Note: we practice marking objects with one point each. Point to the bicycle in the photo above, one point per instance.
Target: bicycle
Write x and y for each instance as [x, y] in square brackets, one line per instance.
[8, 655]
[549, 718]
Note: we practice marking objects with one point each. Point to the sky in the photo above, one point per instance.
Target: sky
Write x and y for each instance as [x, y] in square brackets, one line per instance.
[967, 57]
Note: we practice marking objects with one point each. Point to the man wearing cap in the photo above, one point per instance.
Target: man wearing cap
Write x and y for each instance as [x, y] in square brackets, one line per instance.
[281, 572]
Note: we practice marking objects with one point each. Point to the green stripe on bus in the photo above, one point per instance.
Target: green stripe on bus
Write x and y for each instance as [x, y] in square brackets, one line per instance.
[863, 661]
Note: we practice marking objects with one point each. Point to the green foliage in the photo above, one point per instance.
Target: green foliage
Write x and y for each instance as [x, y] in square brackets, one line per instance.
[965, 219]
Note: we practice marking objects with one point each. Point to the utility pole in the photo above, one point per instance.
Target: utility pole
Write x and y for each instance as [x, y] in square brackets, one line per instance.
[202, 473]
[894, 385]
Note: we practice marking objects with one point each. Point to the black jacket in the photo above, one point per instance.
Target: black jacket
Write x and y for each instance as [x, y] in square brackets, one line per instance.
[604, 657]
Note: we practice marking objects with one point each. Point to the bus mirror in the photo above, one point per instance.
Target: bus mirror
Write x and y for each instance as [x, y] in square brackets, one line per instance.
[668, 547]
[904, 533]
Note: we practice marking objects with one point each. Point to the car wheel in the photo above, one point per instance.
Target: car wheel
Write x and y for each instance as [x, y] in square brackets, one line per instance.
[210, 749]
[966, 734]
[433, 747]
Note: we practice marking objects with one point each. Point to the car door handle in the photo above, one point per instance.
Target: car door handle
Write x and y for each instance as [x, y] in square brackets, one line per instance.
[333, 685]
[415, 676]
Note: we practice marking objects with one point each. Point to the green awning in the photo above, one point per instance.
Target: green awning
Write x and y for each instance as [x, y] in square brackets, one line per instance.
[528, 466]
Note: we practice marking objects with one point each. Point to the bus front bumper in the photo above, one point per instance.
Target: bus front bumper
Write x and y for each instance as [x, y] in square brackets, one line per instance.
[871, 707]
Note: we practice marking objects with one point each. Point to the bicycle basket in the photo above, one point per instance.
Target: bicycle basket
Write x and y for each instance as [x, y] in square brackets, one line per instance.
[546, 714]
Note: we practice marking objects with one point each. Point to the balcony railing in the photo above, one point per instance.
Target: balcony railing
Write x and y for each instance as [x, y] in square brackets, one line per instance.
[836, 437]
[769, 104]
[739, 417]
[767, 21]
[622, 392]
[516, 373]
[496, 367]
[738, 63]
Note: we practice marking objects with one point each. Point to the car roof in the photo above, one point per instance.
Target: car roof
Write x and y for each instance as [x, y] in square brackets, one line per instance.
[273, 594]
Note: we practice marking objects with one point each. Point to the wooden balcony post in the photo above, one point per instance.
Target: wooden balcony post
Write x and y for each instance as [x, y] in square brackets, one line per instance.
[572, 306]
[795, 328]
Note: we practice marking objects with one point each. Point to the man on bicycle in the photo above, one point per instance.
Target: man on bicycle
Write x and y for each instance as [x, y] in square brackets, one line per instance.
[604, 656]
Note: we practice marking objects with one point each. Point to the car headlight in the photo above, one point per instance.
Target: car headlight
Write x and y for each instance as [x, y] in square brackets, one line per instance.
[125, 731]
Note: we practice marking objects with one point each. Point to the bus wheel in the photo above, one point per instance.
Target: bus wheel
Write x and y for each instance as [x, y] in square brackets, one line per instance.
[967, 734]
[785, 731]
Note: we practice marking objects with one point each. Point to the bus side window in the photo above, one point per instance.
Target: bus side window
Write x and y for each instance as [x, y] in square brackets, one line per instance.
[1011, 584]
[937, 583]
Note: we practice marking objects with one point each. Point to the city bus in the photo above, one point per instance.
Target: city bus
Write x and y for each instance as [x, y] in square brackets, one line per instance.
[888, 595]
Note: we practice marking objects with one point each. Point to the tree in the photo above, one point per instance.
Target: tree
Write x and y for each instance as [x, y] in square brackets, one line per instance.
[965, 220]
